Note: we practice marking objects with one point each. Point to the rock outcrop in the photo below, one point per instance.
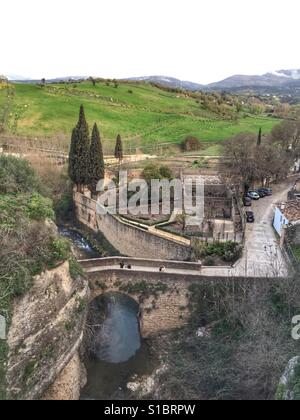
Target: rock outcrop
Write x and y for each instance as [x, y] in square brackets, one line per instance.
[45, 334]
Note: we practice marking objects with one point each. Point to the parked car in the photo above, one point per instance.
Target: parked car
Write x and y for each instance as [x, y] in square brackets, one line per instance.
[253, 195]
[261, 192]
[247, 201]
[250, 217]
[267, 191]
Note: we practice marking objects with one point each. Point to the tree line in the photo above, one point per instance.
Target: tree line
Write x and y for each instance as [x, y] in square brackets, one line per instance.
[86, 159]
[248, 158]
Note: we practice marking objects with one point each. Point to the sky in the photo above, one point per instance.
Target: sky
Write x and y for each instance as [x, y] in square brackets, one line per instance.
[197, 40]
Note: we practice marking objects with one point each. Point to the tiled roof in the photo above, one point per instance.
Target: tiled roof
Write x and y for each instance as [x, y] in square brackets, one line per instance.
[291, 210]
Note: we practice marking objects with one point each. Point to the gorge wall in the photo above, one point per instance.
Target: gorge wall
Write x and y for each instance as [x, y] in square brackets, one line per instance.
[45, 334]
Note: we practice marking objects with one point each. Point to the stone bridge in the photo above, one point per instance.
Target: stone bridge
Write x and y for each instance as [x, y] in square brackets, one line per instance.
[163, 296]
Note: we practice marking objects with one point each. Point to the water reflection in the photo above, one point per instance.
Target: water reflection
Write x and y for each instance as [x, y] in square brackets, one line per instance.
[116, 350]
[118, 339]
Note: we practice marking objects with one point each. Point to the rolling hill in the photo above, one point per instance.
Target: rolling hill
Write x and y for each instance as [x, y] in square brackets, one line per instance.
[169, 82]
[144, 115]
[277, 79]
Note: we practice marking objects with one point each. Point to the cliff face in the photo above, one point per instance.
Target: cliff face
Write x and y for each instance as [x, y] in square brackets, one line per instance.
[45, 334]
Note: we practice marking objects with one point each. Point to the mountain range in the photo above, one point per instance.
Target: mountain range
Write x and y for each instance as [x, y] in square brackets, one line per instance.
[279, 79]
[282, 80]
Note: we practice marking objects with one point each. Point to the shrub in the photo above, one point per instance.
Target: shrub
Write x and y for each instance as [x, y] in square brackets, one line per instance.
[64, 207]
[166, 172]
[16, 175]
[153, 171]
[28, 245]
[150, 172]
[75, 269]
[227, 251]
[39, 208]
[191, 144]
[60, 250]
[209, 261]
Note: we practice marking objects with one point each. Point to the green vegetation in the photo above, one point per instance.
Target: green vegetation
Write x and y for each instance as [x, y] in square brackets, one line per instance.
[119, 149]
[79, 157]
[29, 369]
[295, 383]
[96, 161]
[153, 171]
[145, 115]
[227, 251]
[144, 289]
[214, 150]
[16, 175]
[244, 346]
[296, 251]
[28, 244]
[75, 269]
[292, 387]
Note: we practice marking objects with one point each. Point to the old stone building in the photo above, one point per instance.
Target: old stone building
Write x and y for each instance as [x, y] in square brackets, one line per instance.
[289, 214]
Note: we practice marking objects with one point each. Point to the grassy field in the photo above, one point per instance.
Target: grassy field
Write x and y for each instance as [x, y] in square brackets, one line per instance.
[296, 250]
[144, 115]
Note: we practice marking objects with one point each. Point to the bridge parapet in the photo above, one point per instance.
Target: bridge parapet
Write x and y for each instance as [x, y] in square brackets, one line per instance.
[140, 262]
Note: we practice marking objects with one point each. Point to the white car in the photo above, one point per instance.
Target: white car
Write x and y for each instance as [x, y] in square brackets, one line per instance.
[254, 195]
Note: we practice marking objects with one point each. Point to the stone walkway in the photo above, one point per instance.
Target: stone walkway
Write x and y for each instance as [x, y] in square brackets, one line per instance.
[143, 269]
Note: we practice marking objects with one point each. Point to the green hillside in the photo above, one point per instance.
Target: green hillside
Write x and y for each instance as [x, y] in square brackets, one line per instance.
[144, 115]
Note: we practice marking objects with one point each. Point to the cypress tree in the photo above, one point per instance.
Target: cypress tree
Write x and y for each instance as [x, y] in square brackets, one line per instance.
[79, 152]
[259, 140]
[96, 160]
[119, 149]
[72, 154]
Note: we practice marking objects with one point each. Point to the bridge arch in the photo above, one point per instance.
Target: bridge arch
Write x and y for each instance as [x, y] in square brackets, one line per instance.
[114, 327]
[163, 297]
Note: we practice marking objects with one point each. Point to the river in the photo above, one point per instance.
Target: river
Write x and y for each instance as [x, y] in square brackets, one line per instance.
[116, 350]
[81, 246]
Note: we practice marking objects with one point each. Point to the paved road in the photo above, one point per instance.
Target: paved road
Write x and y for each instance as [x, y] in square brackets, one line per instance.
[262, 255]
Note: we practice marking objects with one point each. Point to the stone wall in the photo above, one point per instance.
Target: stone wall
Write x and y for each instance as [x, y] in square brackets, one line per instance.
[167, 305]
[46, 332]
[128, 240]
[162, 311]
